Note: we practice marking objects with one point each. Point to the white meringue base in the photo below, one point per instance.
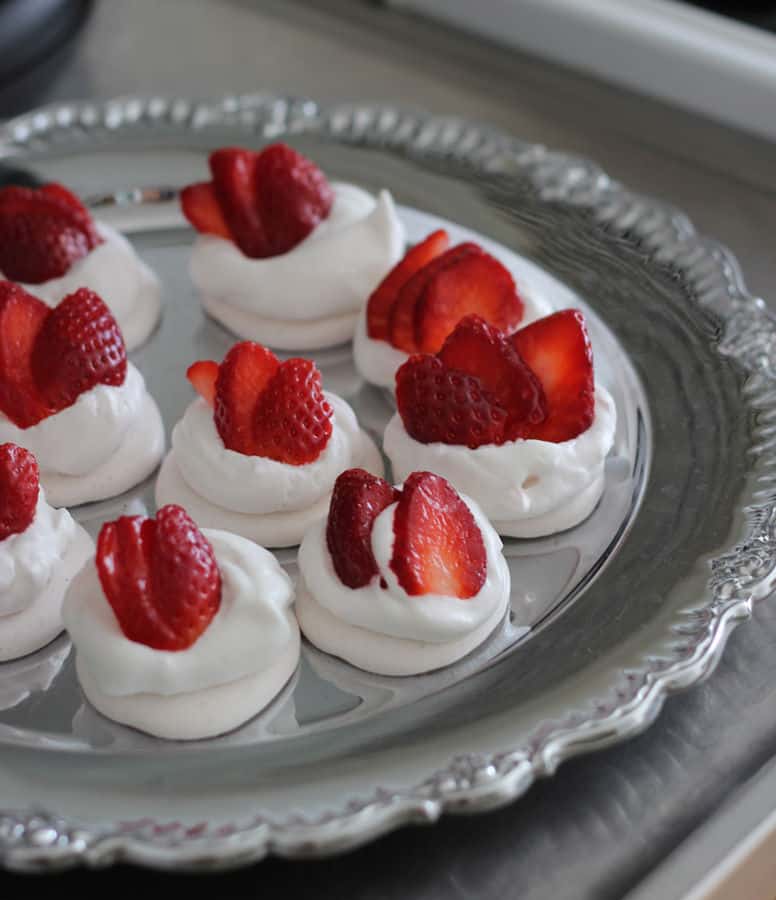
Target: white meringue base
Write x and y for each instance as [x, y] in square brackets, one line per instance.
[279, 529]
[312, 334]
[198, 714]
[38, 624]
[133, 462]
[570, 514]
[382, 653]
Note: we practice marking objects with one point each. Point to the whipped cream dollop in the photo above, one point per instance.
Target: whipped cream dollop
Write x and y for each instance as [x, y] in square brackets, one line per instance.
[384, 629]
[310, 296]
[27, 560]
[36, 567]
[106, 442]
[115, 272]
[527, 488]
[265, 500]
[235, 667]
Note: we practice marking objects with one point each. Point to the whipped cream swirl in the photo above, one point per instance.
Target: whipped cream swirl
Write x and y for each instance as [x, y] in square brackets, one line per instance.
[310, 296]
[251, 629]
[519, 484]
[29, 559]
[81, 437]
[115, 272]
[255, 484]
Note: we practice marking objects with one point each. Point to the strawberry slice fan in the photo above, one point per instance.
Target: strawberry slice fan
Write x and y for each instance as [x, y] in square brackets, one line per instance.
[400, 580]
[514, 420]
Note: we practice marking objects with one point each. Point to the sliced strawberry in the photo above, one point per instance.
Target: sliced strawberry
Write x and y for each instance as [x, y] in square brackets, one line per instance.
[200, 206]
[438, 546]
[402, 324]
[382, 299]
[42, 233]
[21, 318]
[203, 375]
[160, 577]
[243, 376]
[293, 418]
[78, 347]
[293, 196]
[19, 488]
[234, 181]
[480, 349]
[357, 500]
[441, 405]
[473, 284]
[557, 348]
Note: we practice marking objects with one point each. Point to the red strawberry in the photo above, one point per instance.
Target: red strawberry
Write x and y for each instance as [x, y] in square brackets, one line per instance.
[203, 375]
[234, 181]
[477, 283]
[293, 418]
[21, 318]
[79, 346]
[293, 196]
[402, 326]
[437, 404]
[481, 350]
[438, 546]
[557, 349]
[357, 500]
[380, 304]
[200, 206]
[160, 576]
[42, 232]
[242, 377]
[19, 488]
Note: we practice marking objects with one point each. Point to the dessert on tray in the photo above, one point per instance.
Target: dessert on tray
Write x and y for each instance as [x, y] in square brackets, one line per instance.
[400, 580]
[181, 633]
[283, 257]
[50, 244]
[68, 394]
[514, 421]
[426, 294]
[258, 452]
[41, 549]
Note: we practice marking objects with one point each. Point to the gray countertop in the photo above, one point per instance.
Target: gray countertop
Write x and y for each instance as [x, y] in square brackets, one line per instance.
[605, 821]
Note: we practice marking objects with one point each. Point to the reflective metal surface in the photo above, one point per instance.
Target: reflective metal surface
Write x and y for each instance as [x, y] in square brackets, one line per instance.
[655, 610]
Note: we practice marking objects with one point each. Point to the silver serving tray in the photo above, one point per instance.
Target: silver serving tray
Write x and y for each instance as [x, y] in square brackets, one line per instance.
[606, 619]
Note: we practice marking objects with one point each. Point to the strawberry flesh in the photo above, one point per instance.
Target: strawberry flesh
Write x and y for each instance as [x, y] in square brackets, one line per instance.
[475, 283]
[479, 349]
[357, 499]
[293, 196]
[242, 378]
[200, 206]
[21, 319]
[42, 232]
[438, 546]
[234, 181]
[447, 406]
[160, 577]
[384, 296]
[19, 489]
[293, 418]
[402, 324]
[203, 375]
[557, 349]
[78, 347]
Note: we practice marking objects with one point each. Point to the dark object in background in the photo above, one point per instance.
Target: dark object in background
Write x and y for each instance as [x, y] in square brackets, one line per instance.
[34, 38]
[761, 13]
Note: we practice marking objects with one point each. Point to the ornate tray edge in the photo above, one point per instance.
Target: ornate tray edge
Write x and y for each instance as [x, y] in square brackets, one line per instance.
[40, 840]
